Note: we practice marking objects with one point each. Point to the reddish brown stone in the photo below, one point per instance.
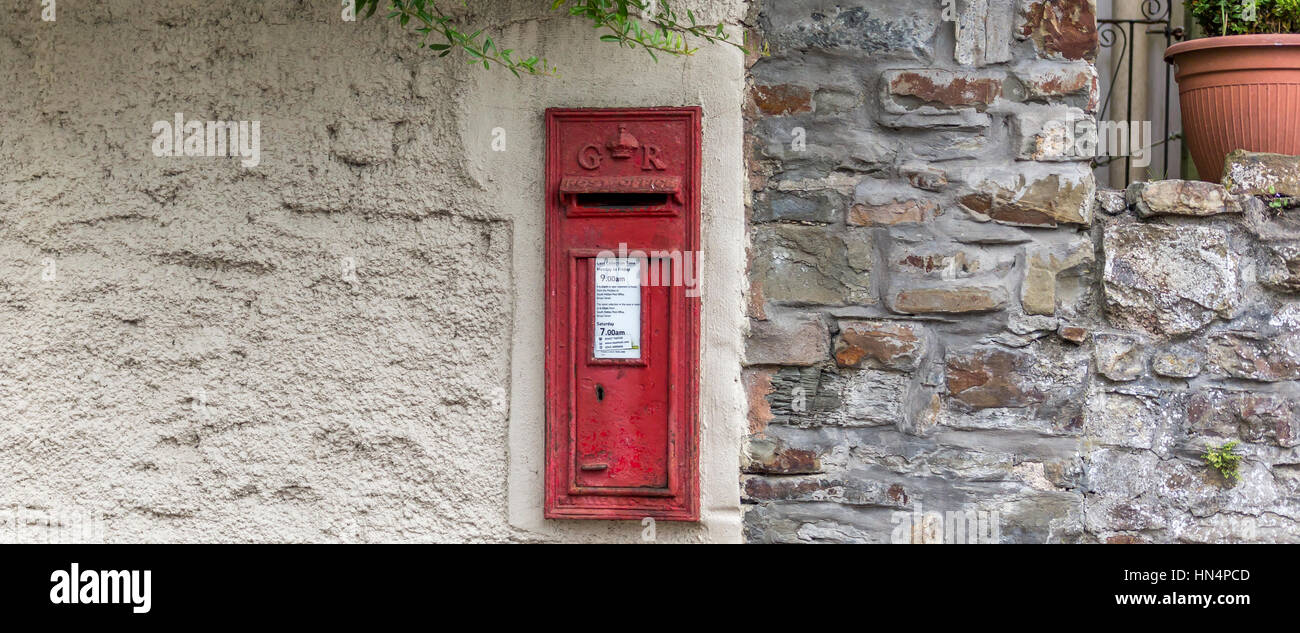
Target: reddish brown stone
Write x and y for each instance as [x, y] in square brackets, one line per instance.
[1058, 81]
[1123, 539]
[758, 385]
[946, 89]
[1063, 28]
[782, 99]
[879, 344]
[1060, 85]
[991, 378]
[895, 212]
[1073, 334]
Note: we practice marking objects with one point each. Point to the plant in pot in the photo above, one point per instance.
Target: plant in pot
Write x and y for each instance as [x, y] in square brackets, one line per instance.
[1239, 87]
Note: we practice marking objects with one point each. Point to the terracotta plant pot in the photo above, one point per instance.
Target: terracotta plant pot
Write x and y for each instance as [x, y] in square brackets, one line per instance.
[1238, 92]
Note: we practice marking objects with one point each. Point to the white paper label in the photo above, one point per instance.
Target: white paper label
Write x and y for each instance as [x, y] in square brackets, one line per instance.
[618, 308]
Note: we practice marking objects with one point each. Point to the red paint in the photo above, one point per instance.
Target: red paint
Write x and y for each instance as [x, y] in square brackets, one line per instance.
[622, 435]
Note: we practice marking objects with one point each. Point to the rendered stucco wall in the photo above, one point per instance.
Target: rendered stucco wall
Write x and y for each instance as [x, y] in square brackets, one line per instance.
[344, 342]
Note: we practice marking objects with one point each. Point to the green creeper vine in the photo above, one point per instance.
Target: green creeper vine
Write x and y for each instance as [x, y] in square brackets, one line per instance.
[652, 25]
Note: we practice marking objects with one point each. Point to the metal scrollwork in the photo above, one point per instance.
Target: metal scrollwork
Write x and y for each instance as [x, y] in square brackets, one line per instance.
[1155, 10]
[1119, 35]
[1109, 35]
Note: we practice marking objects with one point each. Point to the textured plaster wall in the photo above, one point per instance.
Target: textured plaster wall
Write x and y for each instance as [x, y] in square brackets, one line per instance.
[182, 350]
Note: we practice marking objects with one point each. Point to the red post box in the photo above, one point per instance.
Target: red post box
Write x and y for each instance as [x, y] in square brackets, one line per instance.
[622, 313]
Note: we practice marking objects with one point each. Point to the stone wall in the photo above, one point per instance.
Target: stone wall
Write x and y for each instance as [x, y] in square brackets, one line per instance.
[947, 316]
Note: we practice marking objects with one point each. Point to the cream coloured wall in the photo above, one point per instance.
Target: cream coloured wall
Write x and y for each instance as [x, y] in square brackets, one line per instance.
[344, 342]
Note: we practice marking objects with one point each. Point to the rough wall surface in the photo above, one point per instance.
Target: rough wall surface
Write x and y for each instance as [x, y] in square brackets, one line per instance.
[947, 317]
[315, 349]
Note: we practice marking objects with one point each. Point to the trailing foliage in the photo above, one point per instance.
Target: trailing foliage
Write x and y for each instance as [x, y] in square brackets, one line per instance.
[1240, 17]
[651, 24]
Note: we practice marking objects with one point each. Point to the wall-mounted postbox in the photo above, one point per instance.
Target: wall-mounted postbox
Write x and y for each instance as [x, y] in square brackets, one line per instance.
[622, 313]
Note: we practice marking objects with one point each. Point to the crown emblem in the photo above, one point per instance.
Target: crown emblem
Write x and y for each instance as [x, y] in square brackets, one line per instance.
[623, 145]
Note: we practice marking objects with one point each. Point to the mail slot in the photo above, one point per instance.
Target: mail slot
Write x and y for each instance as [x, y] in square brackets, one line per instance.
[622, 313]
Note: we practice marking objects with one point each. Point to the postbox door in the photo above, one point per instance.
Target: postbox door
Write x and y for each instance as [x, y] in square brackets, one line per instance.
[621, 416]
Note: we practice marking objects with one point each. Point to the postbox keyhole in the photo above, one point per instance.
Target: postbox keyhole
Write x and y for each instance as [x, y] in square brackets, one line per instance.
[600, 392]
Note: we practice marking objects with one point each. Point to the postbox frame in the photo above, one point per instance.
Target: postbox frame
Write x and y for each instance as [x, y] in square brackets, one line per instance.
[680, 500]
